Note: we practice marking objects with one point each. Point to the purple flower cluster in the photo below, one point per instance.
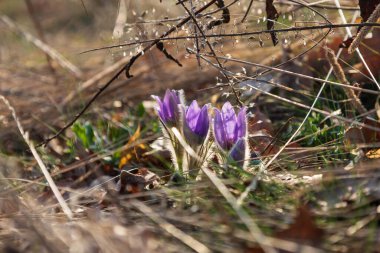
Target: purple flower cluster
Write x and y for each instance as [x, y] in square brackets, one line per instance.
[229, 129]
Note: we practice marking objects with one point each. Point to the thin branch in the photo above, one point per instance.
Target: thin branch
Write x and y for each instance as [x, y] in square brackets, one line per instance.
[338, 71]
[225, 16]
[196, 35]
[221, 35]
[161, 38]
[247, 12]
[95, 79]
[364, 31]
[160, 46]
[294, 74]
[341, 14]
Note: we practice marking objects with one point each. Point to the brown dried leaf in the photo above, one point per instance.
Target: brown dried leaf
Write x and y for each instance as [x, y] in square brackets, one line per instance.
[260, 127]
[353, 135]
[369, 134]
[360, 135]
[304, 229]
[346, 43]
[259, 122]
[272, 14]
[373, 154]
[130, 153]
[134, 181]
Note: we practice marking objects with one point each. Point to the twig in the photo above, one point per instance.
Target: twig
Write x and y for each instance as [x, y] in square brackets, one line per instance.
[325, 113]
[364, 31]
[225, 16]
[324, 6]
[247, 12]
[54, 54]
[338, 71]
[196, 34]
[295, 74]
[309, 49]
[161, 38]
[341, 14]
[221, 35]
[160, 46]
[354, 122]
[77, 116]
[95, 79]
[43, 168]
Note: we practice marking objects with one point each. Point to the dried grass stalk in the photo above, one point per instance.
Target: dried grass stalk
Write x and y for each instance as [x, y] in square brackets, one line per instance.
[44, 170]
[364, 30]
[339, 73]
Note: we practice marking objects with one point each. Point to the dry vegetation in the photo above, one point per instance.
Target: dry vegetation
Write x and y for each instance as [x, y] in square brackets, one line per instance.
[312, 184]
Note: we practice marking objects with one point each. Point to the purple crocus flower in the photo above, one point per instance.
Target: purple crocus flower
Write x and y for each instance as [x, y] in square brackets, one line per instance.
[229, 128]
[168, 109]
[196, 123]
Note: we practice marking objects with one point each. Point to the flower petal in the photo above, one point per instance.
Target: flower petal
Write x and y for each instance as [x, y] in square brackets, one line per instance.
[241, 124]
[203, 124]
[219, 133]
[159, 108]
[192, 115]
[170, 106]
[229, 122]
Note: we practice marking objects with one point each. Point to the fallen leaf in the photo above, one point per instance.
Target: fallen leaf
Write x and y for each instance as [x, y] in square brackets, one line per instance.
[346, 43]
[130, 153]
[362, 135]
[135, 180]
[272, 16]
[258, 121]
[303, 230]
[373, 154]
[371, 135]
[353, 136]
